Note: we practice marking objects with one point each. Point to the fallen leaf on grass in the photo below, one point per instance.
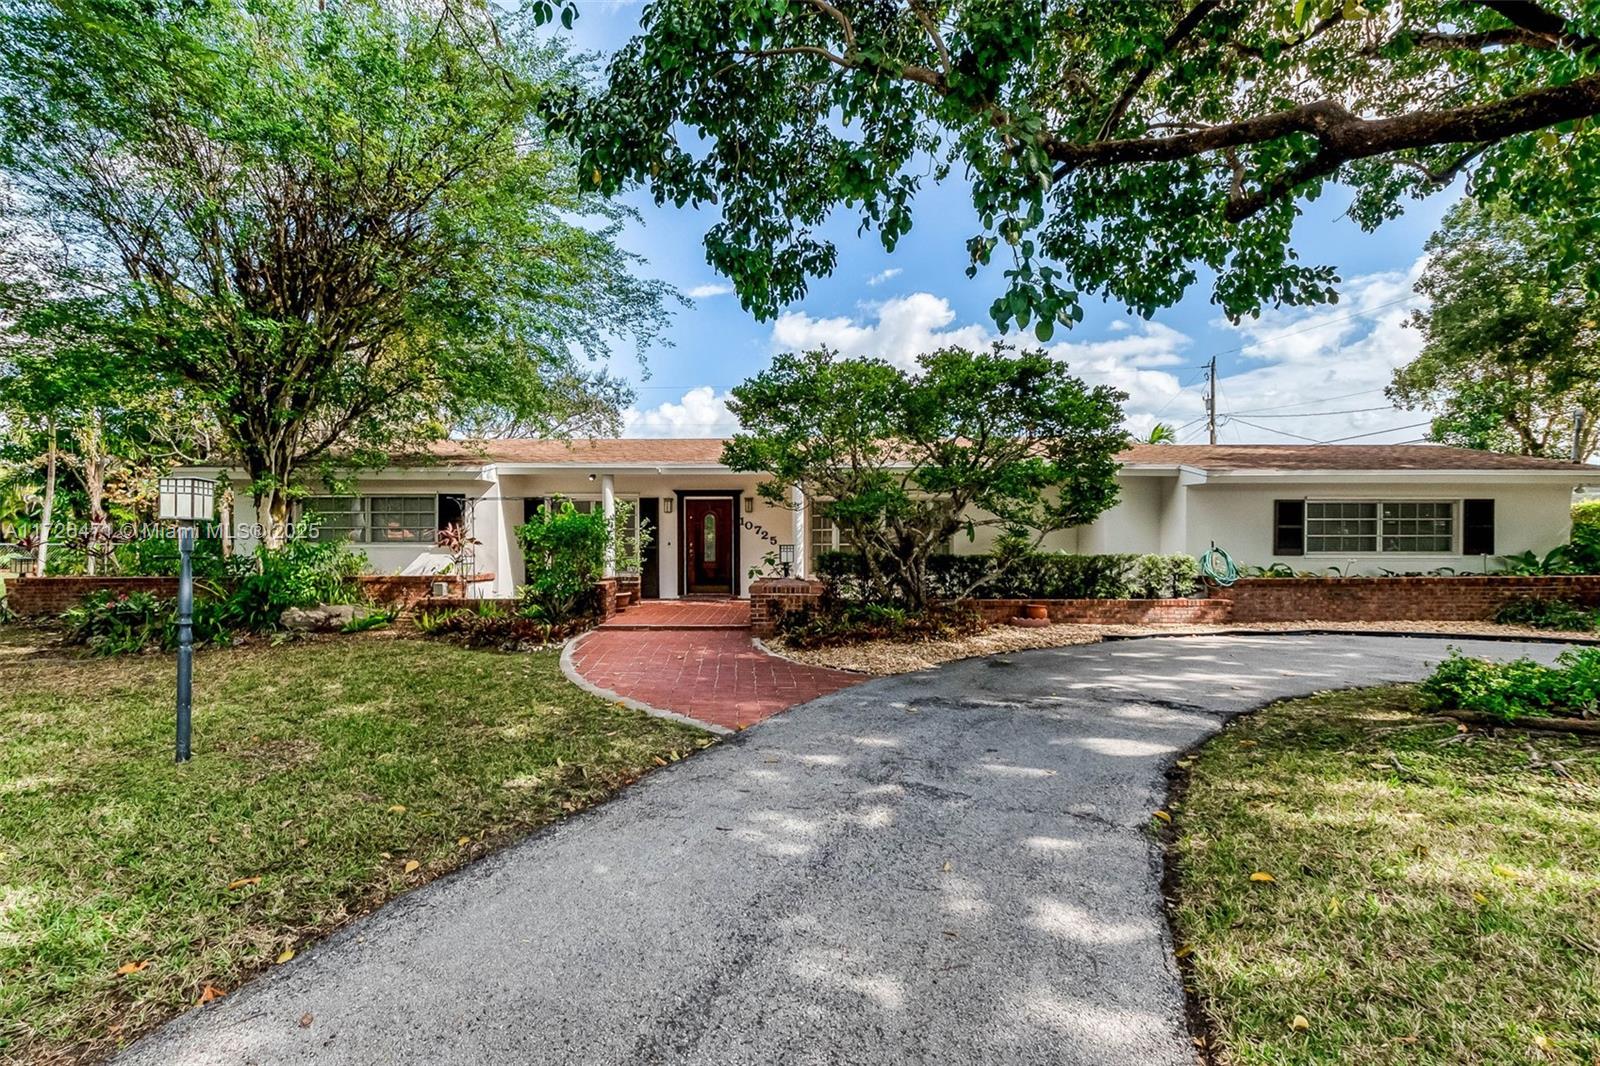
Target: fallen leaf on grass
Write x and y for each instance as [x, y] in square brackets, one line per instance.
[243, 881]
[1334, 905]
[1300, 1023]
[131, 967]
[1247, 743]
[398, 808]
[412, 866]
[1183, 952]
[463, 842]
[1507, 872]
[1263, 877]
[1163, 815]
[285, 956]
[209, 993]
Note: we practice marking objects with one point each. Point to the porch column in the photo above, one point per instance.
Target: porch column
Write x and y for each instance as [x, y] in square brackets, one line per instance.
[608, 505]
[802, 527]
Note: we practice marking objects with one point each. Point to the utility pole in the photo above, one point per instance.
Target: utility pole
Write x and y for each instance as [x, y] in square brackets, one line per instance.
[1211, 399]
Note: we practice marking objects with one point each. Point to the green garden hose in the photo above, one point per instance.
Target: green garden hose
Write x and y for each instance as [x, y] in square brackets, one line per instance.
[1218, 565]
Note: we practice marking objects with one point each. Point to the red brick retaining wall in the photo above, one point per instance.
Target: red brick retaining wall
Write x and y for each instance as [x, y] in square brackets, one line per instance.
[34, 596]
[1395, 599]
[773, 597]
[1114, 612]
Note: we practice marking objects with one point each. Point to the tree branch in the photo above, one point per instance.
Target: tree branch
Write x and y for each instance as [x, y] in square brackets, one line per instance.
[1344, 136]
[1184, 27]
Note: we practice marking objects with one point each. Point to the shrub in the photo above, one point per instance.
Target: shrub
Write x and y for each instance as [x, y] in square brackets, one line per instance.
[492, 626]
[110, 624]
[1522, 688]
[565, 550]
[305, 572]
[375, 619]
[848, 623]
[1586, 515]
[1548, 614]
[1161, 576]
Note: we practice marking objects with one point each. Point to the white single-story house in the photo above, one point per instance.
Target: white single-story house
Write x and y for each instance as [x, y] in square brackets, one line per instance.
[1366, 509]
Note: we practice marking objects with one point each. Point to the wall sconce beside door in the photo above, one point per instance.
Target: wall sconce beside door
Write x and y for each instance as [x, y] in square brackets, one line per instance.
[666, 505]
[749, 504]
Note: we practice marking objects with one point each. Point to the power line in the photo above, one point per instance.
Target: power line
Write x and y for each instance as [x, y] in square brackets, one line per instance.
[1304, 403]
[1322, 414]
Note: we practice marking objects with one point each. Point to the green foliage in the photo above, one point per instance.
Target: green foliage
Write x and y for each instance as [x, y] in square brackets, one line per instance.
[903, 462]
[342, 227]
[1519, 689]
[304, 572]
[381, 618]
[1585, 515]
[1028, 575]
[490, 625]
[565, 553]
[1128, 149]
[1510, 351]
[251, 596]
[1548, 614]
[1580, 555]
[123, 623]
[841, 622]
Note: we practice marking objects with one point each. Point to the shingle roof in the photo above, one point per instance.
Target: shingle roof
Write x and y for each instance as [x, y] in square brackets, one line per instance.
[681, 451]
[596, 451]
[1339, 457]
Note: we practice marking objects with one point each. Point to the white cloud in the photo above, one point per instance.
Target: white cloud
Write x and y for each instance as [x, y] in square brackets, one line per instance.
[1301, 361]
[701, 412]
[715, 288]
[884, 275]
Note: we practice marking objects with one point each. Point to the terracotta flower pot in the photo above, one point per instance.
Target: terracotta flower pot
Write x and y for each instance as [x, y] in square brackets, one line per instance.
[1035, 610]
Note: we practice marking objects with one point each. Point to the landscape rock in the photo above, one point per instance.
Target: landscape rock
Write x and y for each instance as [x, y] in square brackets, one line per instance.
[323, 619]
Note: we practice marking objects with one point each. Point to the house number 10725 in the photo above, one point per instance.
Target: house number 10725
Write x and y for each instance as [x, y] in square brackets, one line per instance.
[759, 531]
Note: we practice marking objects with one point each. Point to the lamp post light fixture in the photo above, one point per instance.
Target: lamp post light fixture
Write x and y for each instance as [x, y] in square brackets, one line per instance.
[186, 501]
[786, 559]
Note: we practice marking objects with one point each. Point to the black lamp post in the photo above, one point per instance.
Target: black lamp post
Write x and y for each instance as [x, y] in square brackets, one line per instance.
[186, 501]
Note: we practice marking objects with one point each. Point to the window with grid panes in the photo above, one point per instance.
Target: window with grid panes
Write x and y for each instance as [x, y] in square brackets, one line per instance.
[1422, 526]
[401, 519]
[338, 517]
[1341, 526]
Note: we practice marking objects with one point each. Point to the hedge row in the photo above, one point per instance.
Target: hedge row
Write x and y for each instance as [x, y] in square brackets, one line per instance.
[1038, 575]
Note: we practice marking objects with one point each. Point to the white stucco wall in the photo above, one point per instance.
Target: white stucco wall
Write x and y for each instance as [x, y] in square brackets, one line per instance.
[1157, 512]
[1533, 514]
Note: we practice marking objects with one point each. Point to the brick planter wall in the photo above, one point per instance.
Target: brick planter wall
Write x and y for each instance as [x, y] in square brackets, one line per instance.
[397, 590]
[1114, 612]
[772, 597]
[1395, 599]
[32, 597]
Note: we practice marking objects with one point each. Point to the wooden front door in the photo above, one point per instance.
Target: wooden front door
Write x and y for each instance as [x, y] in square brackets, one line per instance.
[708, 546]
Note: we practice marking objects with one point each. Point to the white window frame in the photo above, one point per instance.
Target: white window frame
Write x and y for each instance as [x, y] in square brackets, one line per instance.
[1379, 503]
[364, 532]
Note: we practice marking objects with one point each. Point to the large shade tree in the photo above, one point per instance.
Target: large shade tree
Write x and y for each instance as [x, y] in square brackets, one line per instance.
[340, 222]
[1511, 351]
[1126, 148]
[904, 461]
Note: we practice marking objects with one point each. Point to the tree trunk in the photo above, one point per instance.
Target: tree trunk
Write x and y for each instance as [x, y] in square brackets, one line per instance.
[269, 479]
[49, 504]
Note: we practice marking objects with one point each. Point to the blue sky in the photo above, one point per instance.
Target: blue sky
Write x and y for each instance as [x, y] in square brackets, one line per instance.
[1299, 374]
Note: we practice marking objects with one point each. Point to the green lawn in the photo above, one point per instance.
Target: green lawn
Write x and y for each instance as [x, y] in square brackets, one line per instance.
[327, 778]
[1430, 902]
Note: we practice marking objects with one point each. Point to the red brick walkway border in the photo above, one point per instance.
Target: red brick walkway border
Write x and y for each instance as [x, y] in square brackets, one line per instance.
[712, 675]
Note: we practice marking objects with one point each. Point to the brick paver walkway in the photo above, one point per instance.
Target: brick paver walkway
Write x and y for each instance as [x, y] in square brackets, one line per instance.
[692, 659]
[682, 614]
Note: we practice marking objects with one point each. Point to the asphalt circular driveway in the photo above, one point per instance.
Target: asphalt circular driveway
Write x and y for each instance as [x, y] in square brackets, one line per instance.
[950, 867]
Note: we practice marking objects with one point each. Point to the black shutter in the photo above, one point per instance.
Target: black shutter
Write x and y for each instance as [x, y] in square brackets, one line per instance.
[1288, 527]
[452, 511]
[1477, 527]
